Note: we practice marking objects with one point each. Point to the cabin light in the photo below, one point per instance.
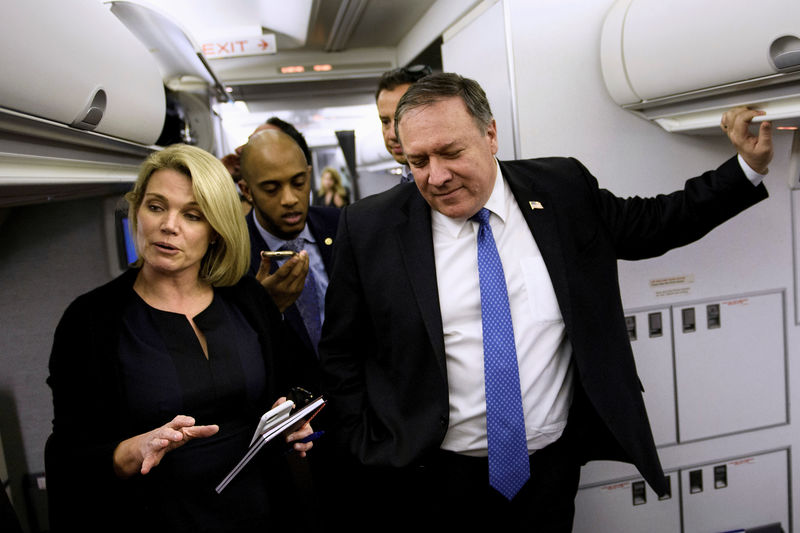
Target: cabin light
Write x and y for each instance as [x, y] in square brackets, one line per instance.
[293, 69]
[323, 68]
[787, 128]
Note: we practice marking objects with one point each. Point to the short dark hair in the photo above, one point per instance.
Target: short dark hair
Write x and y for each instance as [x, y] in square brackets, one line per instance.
[440, 86]
[292, 132]
[401, 76]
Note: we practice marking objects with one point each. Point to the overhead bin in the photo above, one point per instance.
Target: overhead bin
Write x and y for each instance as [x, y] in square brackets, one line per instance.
[75, 63]
[682, 63]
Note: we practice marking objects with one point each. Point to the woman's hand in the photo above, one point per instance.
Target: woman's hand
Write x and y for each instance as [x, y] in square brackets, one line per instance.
[300, 447]
[143, 452]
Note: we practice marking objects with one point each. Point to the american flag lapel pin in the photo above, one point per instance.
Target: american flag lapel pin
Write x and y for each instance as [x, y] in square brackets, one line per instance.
[536, 205]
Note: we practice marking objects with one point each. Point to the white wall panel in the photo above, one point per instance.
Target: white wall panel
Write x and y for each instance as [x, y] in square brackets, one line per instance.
[731, 376]
[479, 51]
[652, 350]
[627, 506]
[563, 109]
[754, 493]
[727, 495]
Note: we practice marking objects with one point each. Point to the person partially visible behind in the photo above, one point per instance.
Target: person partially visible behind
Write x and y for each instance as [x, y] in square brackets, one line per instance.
[232, 161]
[160, 376]
[331, 192]
[392, 85]
[275, 123]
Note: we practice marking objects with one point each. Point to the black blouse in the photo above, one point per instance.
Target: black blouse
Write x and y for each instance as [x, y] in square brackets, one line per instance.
[166, 373]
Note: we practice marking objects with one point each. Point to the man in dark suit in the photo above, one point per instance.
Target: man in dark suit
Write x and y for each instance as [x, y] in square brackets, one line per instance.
[418, 308]
[277, 182]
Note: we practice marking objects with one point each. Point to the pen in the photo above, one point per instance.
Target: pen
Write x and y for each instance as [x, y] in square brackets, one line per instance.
[313, 436]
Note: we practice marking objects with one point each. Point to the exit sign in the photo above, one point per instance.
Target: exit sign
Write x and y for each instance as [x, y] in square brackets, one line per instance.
[219, 48]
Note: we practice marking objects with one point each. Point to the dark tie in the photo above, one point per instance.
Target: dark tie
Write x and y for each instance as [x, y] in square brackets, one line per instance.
[509, 467]
[407, 178]
[307, 303]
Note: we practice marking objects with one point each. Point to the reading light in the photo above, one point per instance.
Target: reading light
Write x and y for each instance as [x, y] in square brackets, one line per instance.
[294, 69]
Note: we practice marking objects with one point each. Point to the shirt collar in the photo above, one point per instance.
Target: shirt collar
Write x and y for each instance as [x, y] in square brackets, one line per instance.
[275, 243]
[496, 204]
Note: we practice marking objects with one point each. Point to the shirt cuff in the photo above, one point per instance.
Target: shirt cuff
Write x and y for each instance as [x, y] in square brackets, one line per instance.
[754, 177]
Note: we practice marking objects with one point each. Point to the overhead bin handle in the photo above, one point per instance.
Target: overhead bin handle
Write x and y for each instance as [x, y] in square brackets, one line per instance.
[785, 52]
[89, 117]
[788, 59]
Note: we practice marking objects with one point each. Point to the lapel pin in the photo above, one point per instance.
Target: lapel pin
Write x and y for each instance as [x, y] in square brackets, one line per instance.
[535, 205]
[328, 241]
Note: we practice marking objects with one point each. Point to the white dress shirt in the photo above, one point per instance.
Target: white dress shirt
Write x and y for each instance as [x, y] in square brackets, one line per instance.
[754, 177]
[544, 353]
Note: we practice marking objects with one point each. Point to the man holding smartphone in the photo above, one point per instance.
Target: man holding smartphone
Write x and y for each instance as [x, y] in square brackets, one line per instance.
[276, 181]
[290, 246]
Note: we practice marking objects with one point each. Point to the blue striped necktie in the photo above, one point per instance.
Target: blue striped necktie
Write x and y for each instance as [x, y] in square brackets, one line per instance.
[509, 466]
[308, 302]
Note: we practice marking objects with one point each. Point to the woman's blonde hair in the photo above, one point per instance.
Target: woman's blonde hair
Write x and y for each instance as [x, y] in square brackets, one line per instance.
[228, 257]
[338, 188]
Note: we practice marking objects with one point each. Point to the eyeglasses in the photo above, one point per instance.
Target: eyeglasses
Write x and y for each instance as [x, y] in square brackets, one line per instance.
[417, 71]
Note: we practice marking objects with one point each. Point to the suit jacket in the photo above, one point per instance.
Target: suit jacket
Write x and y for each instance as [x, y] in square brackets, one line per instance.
[383, 350]
[322, 222]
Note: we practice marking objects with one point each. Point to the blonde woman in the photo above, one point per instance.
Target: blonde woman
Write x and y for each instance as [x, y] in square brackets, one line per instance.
[160, 376]
[331, 192]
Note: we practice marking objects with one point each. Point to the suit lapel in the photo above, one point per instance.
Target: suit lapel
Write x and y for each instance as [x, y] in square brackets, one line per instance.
[291, 314]
[416, 243]
[323, 236]
[257, 244]
[540, 214]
